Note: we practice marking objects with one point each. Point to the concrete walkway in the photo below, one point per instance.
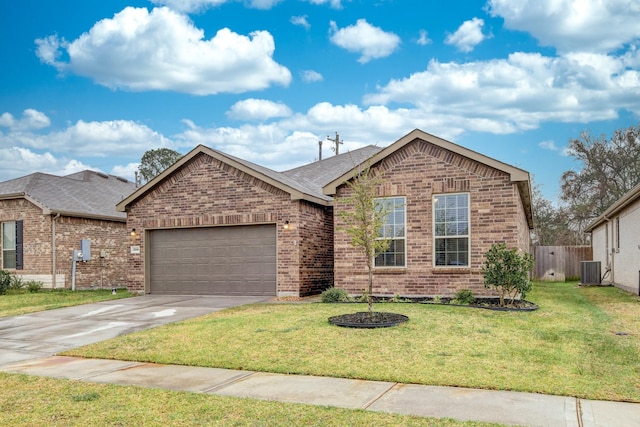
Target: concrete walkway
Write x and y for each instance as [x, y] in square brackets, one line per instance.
[525, 409]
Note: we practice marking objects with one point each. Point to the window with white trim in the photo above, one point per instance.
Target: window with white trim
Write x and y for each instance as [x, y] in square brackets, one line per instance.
[393, 229]
[451, 222]
[9, 244]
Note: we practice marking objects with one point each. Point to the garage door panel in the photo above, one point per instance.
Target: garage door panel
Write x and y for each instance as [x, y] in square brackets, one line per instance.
[237, 260]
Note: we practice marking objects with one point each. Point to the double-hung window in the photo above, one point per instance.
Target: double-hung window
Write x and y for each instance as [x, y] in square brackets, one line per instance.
[451, 229]
[393, 229]
[12, 245]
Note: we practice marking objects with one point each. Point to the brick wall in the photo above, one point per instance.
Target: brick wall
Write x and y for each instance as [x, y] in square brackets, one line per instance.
[36, 234]
[419, 171]
[316, 248]
[208, 192]
[110, 236]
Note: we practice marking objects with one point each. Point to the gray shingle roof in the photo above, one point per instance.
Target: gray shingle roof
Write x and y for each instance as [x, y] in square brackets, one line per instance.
[318, 174]
[83, 194]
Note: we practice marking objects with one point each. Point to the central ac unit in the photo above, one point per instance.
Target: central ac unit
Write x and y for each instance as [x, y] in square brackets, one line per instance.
[590, 272]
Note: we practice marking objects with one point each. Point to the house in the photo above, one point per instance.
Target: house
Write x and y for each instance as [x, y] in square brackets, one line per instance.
[216, 224]
[615, 240]
[45, 217]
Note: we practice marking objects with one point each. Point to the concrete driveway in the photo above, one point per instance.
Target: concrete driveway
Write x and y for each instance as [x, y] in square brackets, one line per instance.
[46, 333]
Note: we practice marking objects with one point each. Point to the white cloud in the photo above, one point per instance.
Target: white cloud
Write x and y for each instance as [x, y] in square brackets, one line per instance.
[468, 35]
[189, 6]
[258, 109]
[423, 39]
[126, 171]
[17, 161]
[371, 42]
[301, 21]
[335, 4]
[162, 50]
[520, 92]
[573, 25]
[548, 145]
[31, 119]
[310, 76]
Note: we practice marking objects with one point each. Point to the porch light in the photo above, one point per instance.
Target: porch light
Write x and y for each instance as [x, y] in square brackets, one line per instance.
[286, 225]
[133, 232]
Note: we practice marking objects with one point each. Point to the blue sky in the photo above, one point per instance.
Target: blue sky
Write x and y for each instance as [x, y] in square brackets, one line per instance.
[95, 84]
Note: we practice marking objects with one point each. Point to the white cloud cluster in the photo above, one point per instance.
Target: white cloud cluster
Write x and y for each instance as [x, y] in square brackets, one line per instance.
[190, 6]
[371, 42]
[31, 119]
[258, 109]
[335, 4]
[519, 92]
[468, 35]
[597, 26]
[311, 76]
[69, 150]
[300, 21]
[162, 50]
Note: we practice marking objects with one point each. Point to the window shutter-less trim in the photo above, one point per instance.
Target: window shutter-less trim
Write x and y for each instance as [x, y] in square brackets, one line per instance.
[19, 257]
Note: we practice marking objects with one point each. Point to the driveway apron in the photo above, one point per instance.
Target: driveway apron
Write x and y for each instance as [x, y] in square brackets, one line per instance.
[46, 333]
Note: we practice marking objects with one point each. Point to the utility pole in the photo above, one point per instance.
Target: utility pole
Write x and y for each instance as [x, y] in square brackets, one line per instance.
[319, 150]
[337, 142]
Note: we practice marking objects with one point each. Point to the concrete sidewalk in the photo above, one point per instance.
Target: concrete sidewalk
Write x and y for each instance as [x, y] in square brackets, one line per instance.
[525, 409]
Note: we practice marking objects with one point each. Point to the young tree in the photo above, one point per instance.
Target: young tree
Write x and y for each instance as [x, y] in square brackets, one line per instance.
[508, 272]
[365, 219]
[155, 161]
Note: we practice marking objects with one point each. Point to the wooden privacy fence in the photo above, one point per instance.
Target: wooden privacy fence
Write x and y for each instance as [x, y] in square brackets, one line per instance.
[558, 263]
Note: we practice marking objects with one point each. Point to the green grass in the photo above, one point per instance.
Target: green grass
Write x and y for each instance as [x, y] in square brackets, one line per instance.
[567, 347]
[34, 401]
[15, 303]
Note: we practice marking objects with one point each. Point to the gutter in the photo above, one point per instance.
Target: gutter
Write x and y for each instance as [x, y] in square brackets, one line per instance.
[53, 250]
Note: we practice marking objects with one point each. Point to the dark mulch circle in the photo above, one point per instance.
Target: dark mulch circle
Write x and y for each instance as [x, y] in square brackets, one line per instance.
[365, 319]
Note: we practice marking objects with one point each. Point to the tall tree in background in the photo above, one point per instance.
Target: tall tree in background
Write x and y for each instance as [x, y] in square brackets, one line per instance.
[551, 223]
[610, 168]
[155, 161]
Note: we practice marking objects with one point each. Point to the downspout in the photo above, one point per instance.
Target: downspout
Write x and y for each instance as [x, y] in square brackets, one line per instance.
[612, 252]
[53, 250]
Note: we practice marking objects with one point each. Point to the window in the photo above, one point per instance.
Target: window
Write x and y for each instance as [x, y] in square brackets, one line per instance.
[451, 229]
[12, 245]
[393, 229]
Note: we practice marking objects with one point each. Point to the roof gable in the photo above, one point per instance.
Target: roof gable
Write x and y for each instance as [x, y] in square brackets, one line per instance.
[518, 176]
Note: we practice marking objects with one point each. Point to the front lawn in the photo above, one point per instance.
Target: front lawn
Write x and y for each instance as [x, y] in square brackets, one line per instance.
[17, 302]
[33, 401]
[582, 342]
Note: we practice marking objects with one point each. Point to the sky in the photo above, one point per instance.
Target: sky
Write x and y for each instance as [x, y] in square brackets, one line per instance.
[95, 84]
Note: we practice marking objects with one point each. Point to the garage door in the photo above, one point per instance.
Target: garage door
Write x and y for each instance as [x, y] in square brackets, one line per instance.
[213, 261]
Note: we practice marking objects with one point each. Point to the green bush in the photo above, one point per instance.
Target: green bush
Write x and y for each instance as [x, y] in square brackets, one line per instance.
[464, 297]
[335, 295]
[16, 282]
[5, 281]
[507, 271]
[34, 286]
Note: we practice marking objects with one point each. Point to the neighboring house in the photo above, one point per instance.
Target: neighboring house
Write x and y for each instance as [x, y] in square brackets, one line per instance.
[44, 218]
[615, 239]
[216, 224]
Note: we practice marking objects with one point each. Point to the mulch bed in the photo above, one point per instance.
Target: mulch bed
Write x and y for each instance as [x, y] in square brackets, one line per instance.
[365, 319]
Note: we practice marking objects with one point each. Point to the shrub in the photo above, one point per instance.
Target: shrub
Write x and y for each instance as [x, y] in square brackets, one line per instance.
[34, 286]
[16, 282]
[5, 281]
[508, 272]
[464, 297]
[335, 295]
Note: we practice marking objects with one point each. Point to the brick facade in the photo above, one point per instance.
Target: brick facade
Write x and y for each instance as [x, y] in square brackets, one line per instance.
[42, 231]
[419, 171]
[206, 192]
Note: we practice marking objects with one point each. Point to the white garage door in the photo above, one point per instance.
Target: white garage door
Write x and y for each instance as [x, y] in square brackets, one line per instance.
[238, 260]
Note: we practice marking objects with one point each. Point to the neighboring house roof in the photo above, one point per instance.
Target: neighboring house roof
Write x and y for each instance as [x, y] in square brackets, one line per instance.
[302, 183]
[85, 194]
[613, 210]
[518, 176]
